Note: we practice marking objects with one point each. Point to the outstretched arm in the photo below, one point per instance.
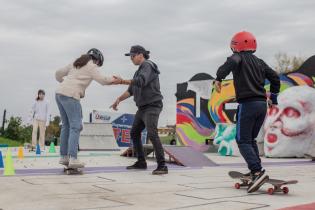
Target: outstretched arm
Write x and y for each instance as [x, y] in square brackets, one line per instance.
[145, 76]
[101, 79]
[123, 97]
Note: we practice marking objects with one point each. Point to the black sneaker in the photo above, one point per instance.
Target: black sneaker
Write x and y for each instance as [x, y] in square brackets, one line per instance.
[160, 170]
[247, 178]
[140, 164]
[247, 175]
[258, 179]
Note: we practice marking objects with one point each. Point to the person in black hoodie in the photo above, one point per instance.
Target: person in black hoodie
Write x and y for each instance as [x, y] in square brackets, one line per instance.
[145, 89]
[249, 74]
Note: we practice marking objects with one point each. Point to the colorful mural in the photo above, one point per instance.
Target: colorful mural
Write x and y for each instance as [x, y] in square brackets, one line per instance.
[225, 139]
[198, 113]
[192, 130]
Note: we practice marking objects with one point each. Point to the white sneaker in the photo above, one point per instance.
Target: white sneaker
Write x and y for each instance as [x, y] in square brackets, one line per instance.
[64, 160]
[75, 163]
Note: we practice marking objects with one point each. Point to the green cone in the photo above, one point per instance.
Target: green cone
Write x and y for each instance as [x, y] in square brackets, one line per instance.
[52, 148]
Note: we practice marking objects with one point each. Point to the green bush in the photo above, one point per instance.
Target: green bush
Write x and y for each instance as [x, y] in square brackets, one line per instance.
[14, 128]
[16, 131]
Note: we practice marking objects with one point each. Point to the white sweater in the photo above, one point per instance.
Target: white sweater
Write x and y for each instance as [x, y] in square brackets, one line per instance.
[40, 111]
[73, 81]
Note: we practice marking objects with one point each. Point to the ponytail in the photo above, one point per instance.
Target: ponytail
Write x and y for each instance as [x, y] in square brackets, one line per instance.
[82, 61]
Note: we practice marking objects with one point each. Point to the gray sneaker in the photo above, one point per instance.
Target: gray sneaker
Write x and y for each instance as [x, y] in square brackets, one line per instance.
[75, 163]
[64, 160]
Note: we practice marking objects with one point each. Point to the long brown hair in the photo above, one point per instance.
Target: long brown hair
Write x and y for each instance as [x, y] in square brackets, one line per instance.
[40, 92]
[82, 61]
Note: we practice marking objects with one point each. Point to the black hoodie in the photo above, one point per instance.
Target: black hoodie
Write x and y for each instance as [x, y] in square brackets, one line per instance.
[145, 87]
[249, 74]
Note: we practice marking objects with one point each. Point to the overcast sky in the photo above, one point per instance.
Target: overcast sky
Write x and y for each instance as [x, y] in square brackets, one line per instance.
[184, 37]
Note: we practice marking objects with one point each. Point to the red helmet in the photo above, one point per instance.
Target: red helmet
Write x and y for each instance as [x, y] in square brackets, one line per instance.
[243, 41]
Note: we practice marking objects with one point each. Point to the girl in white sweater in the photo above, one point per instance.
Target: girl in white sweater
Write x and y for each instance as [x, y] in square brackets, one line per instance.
[74, 79]
[40, 118]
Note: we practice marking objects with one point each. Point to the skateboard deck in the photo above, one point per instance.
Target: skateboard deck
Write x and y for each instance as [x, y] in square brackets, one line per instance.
[71, 171]
[276, 183]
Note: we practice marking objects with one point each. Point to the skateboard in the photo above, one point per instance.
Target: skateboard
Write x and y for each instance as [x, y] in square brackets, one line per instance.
[276, 183]
[71, 171]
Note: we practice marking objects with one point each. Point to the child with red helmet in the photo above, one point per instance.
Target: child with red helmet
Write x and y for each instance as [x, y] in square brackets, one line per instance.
[249, 74]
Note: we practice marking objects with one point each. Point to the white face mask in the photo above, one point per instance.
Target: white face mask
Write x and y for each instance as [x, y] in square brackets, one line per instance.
[290, 127]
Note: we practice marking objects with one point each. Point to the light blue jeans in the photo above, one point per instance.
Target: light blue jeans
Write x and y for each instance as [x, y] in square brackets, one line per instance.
[71, 118]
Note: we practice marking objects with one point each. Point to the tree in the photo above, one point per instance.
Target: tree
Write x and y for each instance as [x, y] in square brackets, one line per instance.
[17, 131]
[286, 64]
[26, 133]
[14, 128]
[53, 130]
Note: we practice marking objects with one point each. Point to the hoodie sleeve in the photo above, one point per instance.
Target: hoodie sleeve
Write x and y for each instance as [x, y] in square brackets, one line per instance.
[273, 78]
[130, 90]
[61, 73]
[230, 63]
[31, 114]
[101, 79]
[145, 76]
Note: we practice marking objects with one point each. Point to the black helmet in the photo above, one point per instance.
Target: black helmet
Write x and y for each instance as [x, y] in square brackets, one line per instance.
[96, 55]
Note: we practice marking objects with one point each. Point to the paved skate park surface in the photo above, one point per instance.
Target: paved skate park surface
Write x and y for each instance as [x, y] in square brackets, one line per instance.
[39, 183]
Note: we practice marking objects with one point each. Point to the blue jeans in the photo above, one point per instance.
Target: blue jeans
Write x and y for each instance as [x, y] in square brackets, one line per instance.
[71, 118]
[250, 118]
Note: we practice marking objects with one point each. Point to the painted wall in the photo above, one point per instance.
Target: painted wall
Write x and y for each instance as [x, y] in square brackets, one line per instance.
[290, 126]
[199, 108]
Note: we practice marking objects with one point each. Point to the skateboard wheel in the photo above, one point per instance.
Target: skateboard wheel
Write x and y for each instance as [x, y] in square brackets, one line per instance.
[270, 191]
[237, 185]
[285, 190]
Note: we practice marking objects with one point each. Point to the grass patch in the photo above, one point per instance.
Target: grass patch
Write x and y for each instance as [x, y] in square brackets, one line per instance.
[10, 142]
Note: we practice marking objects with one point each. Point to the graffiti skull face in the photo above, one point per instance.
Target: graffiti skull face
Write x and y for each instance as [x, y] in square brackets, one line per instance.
[289, 127]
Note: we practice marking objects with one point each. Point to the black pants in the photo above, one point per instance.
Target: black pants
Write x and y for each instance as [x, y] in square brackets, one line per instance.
[147, 118]
[250, 117]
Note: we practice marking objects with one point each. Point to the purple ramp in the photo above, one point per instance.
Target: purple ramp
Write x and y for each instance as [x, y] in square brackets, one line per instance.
[186, 156]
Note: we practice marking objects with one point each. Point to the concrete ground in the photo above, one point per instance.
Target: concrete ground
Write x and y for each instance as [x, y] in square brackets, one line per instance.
[40, 183]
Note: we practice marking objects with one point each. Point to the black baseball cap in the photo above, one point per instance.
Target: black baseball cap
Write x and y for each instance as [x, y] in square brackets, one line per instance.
[137, 49]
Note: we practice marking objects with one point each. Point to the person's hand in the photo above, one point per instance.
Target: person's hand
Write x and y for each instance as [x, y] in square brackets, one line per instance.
[117, 80]
[114, 106]
[217, 86]
[269, 102]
